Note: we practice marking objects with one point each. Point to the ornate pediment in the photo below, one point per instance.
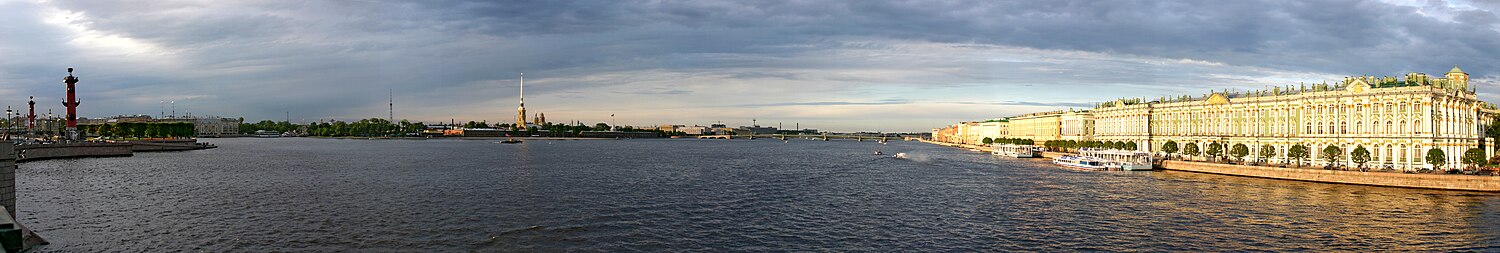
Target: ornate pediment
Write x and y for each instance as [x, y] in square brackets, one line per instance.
[1359, 86]
[1218, 99]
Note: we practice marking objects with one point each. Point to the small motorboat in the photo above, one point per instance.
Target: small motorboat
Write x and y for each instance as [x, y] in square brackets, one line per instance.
[900, 155]
[510, 141]
[878, 152]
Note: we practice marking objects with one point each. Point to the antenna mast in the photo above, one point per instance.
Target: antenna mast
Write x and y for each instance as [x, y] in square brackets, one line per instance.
[390, 96]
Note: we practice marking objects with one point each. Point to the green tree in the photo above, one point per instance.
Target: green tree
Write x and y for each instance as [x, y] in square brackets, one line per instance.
[1360, 156]
[1170, 147]
[1474, 157]
[1191, 149]
[1493, 130]
[1436, 158]
[1331, 154]
[1299, 152]
[1266, 152]
[1131, 146]
[988, 141]
[1239, 151]
[1215, 150]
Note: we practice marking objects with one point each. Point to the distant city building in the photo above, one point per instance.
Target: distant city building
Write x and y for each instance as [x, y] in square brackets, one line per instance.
[669, 127]
[720, 129]
[695, 130]
[210, 126]
[755, 130]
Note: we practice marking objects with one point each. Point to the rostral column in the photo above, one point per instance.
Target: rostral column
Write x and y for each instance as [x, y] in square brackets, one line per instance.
[72, 104]
[31, 113]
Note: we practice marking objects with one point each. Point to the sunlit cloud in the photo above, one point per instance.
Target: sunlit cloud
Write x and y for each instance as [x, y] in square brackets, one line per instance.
[836, 65]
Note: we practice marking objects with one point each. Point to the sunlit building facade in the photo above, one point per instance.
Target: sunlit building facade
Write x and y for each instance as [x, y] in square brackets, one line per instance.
[1396, 119]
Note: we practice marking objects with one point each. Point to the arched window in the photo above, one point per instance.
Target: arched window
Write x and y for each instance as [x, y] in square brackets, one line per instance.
[1358, 127]
[1388, 149]
[1401, 127]
[1343, 127]
[1388, 127]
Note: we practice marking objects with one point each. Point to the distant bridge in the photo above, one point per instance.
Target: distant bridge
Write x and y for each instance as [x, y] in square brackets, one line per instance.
[823, 137]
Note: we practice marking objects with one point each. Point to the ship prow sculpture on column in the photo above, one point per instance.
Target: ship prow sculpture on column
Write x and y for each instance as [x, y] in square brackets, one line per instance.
[72, 104]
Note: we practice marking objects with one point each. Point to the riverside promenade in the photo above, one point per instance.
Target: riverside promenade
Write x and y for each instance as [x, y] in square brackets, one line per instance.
[1390, 179]
[1386, 179]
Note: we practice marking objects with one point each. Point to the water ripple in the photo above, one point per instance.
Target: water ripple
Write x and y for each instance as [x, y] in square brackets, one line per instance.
[315, 195]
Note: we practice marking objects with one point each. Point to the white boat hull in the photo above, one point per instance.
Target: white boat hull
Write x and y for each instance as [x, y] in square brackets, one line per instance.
[1078, 164]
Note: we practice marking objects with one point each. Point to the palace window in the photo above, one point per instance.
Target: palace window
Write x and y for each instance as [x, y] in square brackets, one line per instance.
[1343, 127]
[1403, 153]
[1388, 153]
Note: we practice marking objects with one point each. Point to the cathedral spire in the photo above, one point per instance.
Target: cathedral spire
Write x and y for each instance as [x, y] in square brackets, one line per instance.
[521, 111]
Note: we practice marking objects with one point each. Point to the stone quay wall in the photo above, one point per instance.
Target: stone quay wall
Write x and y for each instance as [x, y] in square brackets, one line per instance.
[174, 145]
[8, 177]
[24, 153]
[1423, 181]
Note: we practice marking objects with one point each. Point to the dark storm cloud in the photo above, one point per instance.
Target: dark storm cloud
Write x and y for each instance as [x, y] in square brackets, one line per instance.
[337, 59]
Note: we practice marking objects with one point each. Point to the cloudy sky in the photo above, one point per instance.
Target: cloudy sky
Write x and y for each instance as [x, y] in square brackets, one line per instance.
[834, 65]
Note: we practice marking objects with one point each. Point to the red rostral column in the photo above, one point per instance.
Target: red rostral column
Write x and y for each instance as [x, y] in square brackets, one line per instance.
[71, 103]
[31, 113]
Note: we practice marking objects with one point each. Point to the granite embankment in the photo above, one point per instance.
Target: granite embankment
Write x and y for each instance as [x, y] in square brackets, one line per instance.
[1388, 179]
[33, 152]
[167, 145]
[1423, 181]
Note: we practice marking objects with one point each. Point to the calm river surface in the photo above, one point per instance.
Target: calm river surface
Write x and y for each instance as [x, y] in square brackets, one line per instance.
[300, 194]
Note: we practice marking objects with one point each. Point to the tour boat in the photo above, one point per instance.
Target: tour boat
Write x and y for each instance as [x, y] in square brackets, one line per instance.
[1080, 162]
[267, 134]
[1121, 159]
[1017, 151]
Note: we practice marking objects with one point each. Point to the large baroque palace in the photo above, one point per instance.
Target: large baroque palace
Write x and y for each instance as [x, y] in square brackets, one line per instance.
[1396, 119]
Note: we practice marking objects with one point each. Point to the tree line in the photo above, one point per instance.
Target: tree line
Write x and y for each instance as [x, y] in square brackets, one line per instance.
[1016, 141]
[1332, 154]
[1071, 144]
[374, 127]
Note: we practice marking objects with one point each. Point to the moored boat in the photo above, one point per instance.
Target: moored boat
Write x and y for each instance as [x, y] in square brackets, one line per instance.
[1080, 162]
[1121, 159]
[1017, 151]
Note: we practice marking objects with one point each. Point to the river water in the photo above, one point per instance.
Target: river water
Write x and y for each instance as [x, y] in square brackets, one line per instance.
[319, 195]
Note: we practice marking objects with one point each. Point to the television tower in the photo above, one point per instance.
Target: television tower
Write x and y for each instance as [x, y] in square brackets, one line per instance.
[390, 96]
